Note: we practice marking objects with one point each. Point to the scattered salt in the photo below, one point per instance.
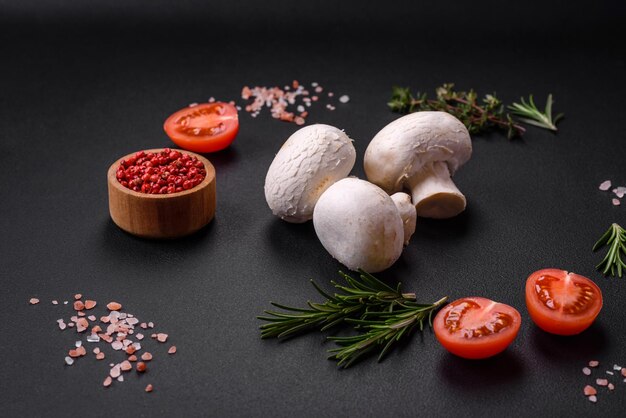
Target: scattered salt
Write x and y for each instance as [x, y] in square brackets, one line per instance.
[602, 382]
[33, 301]
[55, 302]
[608, 372]
[586, 371]
[93, 338]
[69, 361]
[78, 343]
[593, 398]
[344, 99]
[611, 386]
[616, 202]
[594, 363]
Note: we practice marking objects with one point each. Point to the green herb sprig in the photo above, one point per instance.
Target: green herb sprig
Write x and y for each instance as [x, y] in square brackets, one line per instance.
[478, 115]
[387, 315]
[382, 330]
[528, 113]
[615, 239]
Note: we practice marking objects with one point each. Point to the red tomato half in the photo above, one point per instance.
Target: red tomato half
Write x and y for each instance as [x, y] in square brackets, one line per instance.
[562, 303]
[476, 328]
[207, 127]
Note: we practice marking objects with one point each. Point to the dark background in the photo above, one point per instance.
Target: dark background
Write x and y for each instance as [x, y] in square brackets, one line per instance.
[83, 83]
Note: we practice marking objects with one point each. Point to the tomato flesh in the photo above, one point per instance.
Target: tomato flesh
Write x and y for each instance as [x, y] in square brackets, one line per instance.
[562, 303]
[207, 127]
[476, 328]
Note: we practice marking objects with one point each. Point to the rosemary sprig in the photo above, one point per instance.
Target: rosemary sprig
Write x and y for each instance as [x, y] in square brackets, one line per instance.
[528, 113]
[615, 238]
[477, 115]
[357, 297]
[367, 303]
[382, 330]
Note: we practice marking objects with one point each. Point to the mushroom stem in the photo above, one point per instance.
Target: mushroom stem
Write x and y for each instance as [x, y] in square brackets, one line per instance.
[434, 193]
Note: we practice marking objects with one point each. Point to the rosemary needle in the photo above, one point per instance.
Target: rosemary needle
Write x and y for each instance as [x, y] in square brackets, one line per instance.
[615, 239]
[528, 113]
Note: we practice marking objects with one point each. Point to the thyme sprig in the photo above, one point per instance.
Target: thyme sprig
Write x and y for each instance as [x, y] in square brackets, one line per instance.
[477, 115]
[382, 330]
[615, 239]
[528, 113]
[386, 314]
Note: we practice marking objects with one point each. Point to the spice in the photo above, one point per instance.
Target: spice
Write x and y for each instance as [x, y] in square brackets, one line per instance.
[614, 261]
[281, 100]
[166, 172]
[120, 328]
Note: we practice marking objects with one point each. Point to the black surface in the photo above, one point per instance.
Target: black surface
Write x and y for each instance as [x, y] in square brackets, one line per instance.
[84, 83]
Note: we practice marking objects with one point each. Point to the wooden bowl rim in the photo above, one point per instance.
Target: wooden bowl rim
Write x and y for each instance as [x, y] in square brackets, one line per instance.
[208, 179]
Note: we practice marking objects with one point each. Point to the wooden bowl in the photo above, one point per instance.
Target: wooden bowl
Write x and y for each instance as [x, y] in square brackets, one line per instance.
[162, 215]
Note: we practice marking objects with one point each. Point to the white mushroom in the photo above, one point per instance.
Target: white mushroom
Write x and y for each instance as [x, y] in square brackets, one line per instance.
[309, 162]
[407, 212]
[359, 225]
[420, 152]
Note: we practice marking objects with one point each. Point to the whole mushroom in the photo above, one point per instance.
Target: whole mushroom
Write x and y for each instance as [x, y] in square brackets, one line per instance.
[421, 152]
[308, 163]
[359, 225]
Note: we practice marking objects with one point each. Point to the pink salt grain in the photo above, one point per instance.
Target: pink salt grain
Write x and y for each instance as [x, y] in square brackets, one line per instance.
[146, 356]
[593, 399]
[149, 388]
[126, 366]
[586, 371]
[172, 350]
[107, 382]
[594, 363]
[611, 386]
[616, 202]
[602, 382]
[589, 390]
[162, 337]
[33, 301]
[605, 185]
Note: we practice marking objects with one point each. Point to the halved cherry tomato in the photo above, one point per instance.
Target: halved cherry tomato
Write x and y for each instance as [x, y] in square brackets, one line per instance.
[476, 328]
[207, 127]
[562, 303]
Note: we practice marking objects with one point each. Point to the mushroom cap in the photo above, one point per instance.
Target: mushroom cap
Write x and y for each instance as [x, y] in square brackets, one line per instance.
[359, 225]
[407, 144]
[308, 163]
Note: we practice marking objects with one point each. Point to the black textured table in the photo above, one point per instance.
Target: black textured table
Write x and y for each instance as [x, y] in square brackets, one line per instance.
[82, 84]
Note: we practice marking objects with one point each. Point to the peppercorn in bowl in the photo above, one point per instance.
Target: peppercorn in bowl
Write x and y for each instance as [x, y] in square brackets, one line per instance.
[161, 193]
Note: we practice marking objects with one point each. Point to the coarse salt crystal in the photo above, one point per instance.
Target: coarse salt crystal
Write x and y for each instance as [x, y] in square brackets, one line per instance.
[171, 350]
[62, 325]
[589, 390]
[55, 302]
[120, 378]
[69, 361]
[93, 338]
[137, 346]
[139, 336]
[623, 371]
[314, 84]
[148, 388]
[586, 371]
[605, 185]
[344, 99]
[611, 386]
[107, 382]
[193, 104]
[616, 367]
[117, 345]
[115, 371]
[594, 363]
[593, 398]
[602, 382]
[78, 344]
[616, 202]
[162, 337]
[33, 301]
[608, 372]
[151, 324]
